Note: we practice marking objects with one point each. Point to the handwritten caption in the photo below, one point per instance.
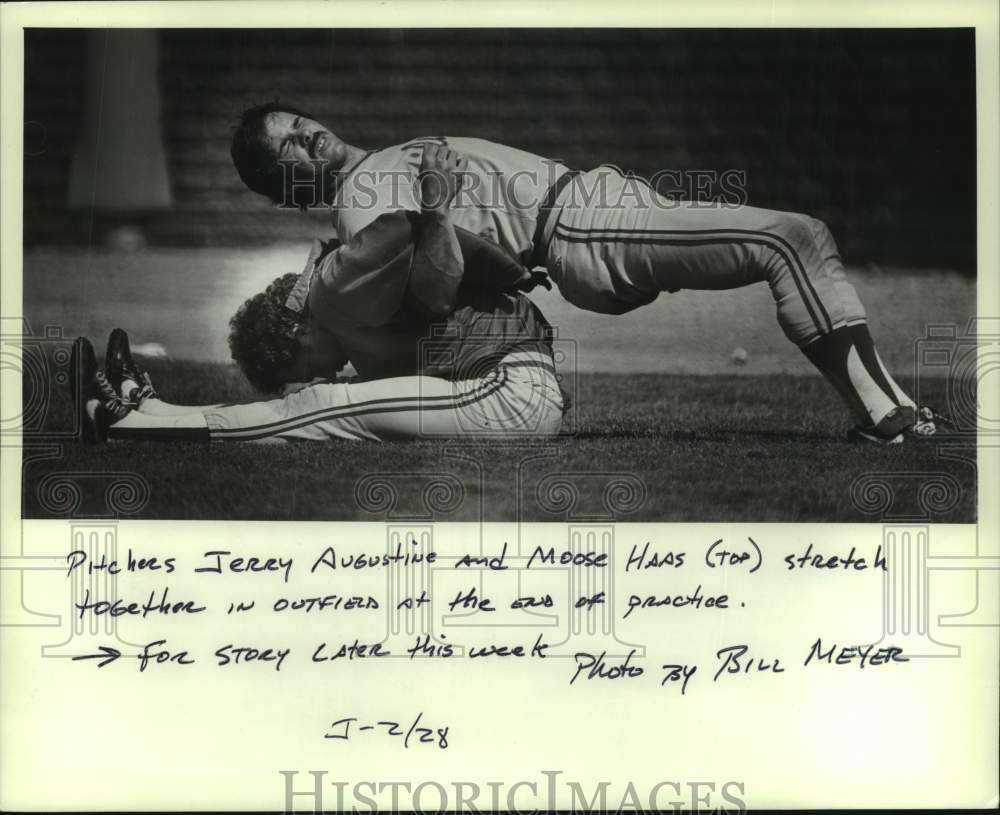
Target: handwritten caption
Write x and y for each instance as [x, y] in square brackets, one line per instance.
[649, 582]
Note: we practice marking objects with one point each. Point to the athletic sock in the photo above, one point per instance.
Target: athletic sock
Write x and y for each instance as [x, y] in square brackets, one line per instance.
[873, 363]
[199, 434]
[866, 347]
[140, 427]
[847, 358]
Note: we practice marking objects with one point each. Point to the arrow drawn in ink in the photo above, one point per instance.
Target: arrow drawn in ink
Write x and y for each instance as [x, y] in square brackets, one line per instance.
[110, 655]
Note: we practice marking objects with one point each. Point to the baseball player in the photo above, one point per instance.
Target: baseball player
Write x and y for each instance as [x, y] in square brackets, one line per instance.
[608, 240]
[423, 311]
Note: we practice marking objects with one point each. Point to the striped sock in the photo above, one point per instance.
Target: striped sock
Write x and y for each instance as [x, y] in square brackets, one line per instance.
[847, 358]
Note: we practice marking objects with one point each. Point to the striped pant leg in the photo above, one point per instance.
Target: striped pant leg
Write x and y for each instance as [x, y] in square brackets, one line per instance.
[529, 403]
[620, 252]
[399, 408]
[721, 248]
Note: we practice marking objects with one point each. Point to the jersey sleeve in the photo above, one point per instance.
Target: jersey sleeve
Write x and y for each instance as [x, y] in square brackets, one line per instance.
[392, 263]
[369, 194]
[363, 282]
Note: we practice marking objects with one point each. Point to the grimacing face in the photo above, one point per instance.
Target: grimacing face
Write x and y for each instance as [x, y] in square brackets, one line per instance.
[304, 142]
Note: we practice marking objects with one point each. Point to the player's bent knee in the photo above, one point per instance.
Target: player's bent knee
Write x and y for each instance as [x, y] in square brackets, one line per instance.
[800, 231]
[823, 238]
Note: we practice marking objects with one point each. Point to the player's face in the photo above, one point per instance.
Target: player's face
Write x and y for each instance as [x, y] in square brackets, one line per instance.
[303, 141]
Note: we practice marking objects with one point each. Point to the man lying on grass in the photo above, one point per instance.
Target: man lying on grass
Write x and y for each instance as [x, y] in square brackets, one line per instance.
[443, 343]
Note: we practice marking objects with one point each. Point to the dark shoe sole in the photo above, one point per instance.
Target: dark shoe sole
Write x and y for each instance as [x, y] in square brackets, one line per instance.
[83, 373]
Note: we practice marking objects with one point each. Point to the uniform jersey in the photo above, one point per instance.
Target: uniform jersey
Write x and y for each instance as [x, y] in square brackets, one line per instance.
[499, 199]
[361, 293]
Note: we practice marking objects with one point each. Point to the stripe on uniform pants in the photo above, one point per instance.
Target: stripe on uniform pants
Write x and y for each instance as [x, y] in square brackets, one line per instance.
[711, 237]
[398, 404]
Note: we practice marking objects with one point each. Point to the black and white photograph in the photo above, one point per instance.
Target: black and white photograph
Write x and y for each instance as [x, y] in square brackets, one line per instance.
[737, 264]
[437, 406]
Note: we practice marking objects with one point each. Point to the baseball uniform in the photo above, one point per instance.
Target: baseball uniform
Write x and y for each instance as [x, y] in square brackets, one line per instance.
[486, 369]
[611, 244]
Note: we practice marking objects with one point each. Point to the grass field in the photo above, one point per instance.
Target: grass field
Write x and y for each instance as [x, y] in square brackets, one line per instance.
[726, 448]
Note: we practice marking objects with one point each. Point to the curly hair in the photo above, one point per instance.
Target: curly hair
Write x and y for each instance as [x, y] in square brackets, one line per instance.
[252, 156]
[263, 335]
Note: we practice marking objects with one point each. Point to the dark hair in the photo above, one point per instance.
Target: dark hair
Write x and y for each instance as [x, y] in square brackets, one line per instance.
[263, 335]
[255, 162]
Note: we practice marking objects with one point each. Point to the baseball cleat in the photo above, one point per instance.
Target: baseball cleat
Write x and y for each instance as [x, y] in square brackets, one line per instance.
[96, 403]
[890, 429]
[924, 422]
[120, 367]
[929, 422]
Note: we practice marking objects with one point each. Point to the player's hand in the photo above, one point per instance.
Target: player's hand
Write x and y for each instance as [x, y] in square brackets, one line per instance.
[440, 176]
[529, 280]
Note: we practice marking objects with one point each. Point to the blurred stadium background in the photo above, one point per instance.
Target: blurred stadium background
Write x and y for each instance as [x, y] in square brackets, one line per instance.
[133, 214]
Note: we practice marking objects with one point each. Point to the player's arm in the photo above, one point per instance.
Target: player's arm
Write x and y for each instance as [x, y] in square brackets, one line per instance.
[400, 256]
[438, 266]
[364, 281]
[447, 257]
[420, 259]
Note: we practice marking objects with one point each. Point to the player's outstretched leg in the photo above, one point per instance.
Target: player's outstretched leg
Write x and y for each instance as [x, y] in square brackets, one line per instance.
[102, 413]
[820, 311]
[521, 396]
[614, 259]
